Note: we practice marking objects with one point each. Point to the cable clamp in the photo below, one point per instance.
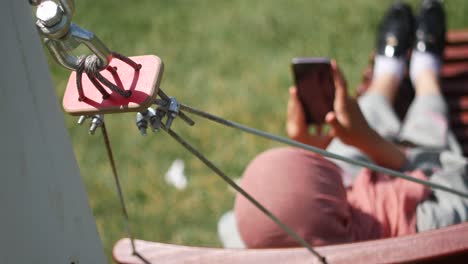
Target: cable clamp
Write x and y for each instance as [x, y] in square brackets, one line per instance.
[96, 122]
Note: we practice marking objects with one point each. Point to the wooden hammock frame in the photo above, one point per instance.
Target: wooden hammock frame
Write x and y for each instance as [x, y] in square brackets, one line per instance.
[446, 245]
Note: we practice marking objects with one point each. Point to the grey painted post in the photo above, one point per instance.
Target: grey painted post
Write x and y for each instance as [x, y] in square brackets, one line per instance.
[45, 216]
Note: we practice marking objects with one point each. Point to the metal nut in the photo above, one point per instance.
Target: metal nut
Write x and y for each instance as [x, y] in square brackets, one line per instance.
[49, 13]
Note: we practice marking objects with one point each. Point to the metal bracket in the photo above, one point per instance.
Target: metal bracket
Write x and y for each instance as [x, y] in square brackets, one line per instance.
[62, 36]
[151, 116]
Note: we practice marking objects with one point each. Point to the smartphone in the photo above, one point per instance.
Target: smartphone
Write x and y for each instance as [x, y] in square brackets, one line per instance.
[315, 87]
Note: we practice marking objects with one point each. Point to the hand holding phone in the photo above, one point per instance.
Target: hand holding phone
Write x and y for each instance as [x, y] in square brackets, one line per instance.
[315, 87]
[298, 130]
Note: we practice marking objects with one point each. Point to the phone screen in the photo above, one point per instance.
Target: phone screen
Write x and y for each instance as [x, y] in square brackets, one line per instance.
[315, 87]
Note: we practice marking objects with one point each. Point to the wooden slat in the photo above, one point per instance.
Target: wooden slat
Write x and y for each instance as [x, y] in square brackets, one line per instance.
[457, 37]
[454, 69]
[456, 89]
[446, 245]
[456, 53]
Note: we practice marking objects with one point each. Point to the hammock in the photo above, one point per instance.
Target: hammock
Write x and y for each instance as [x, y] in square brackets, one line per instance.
[445, 245]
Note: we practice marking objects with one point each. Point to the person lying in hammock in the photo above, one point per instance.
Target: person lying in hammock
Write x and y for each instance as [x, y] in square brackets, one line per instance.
[329, 202]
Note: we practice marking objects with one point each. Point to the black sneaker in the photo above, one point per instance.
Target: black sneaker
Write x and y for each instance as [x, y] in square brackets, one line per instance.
[431, 28]
[396, 31]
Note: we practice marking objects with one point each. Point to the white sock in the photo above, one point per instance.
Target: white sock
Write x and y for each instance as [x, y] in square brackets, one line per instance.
[421, 61]
[389, 65]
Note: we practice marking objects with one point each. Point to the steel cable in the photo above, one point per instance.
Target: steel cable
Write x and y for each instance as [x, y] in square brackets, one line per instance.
[257, 204]
[325, 153]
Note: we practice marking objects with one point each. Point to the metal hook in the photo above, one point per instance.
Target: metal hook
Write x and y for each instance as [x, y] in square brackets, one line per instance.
[63, 36]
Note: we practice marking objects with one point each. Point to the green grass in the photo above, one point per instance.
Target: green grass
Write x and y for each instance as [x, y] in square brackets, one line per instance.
[230, 58]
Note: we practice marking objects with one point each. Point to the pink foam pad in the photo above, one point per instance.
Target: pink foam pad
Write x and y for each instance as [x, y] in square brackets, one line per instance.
[144, 85]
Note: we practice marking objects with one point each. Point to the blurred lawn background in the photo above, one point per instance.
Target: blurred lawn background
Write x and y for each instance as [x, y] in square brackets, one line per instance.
[230, 58]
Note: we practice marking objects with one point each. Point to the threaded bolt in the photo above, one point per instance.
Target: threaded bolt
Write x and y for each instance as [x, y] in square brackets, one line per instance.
[49, 13]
